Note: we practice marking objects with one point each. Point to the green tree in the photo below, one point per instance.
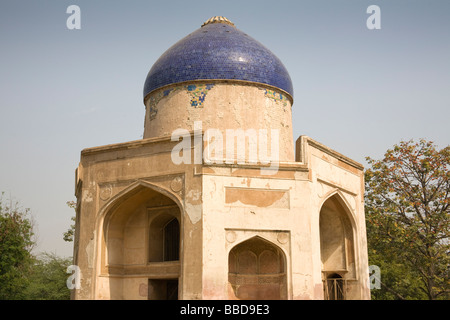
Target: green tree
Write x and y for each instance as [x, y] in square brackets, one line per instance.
[398, 281]
[47, 278]
[407, 212]
[16, 243]
[68, 235]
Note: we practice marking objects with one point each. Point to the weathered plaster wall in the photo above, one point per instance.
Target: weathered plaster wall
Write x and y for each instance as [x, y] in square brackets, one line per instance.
[221, 105]
[239, 204]
[334, 174]
[118, 183]
[220, 207]
[237, 208]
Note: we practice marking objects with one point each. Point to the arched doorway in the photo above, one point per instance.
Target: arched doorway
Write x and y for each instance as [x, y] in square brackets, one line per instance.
[334, 287]
[257, 271]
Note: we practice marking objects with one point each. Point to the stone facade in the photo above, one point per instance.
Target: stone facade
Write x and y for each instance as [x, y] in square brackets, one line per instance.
[310, 215]
[149, 227]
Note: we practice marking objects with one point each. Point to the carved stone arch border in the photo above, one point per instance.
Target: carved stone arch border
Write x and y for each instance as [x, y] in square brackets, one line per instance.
[280, 239]
[106, 211]
[348, 208]
[172, 188]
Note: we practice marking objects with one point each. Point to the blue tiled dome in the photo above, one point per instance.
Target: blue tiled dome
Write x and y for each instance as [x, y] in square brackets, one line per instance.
[218, 50]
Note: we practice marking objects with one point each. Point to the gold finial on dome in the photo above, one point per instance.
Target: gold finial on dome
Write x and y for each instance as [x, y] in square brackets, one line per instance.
[217, 19]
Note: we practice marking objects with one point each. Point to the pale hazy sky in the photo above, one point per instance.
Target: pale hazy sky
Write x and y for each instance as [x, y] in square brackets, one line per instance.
[356, 90]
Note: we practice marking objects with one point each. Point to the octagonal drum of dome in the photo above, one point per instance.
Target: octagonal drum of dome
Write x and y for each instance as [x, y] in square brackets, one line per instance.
[223, 78]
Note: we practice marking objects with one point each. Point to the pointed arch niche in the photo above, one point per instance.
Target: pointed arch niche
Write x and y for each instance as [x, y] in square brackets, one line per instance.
[141, 243]
[257, 271]
[337, 248]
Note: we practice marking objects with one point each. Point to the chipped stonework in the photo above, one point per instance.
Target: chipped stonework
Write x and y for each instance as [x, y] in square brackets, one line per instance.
[155, 99]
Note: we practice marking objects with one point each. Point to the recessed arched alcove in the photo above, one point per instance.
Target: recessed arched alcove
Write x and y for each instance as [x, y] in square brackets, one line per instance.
[337, 247]
[257, 270]
[141, 242]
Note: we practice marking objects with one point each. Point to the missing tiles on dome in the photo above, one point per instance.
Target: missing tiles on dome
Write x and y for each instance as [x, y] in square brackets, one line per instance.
[155, 99]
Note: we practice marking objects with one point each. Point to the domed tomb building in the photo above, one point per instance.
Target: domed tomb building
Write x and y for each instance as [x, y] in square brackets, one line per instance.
[213, 202]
